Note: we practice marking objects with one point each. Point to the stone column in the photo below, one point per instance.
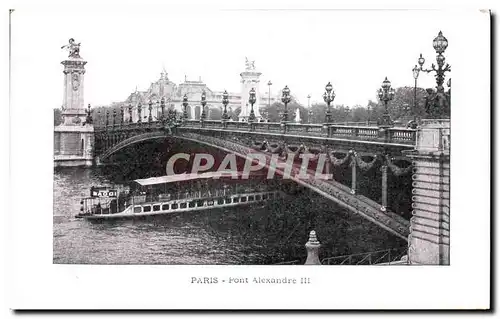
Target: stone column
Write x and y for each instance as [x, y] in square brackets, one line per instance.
[73, 99]
[429, 239]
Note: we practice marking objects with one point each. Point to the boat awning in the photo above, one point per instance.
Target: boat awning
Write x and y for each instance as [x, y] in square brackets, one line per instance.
[183, 177]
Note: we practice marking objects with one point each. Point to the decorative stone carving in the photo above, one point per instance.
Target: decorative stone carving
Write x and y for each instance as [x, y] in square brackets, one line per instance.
[73, 49]
[75, 80]
[249, 65]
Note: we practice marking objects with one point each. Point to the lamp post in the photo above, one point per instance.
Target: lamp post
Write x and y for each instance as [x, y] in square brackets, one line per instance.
[309, 116]
[438, 100]
[269, 96]
[114, 117]
[416, 72]
[328, 97]
[162, 105]
[122, 115]
[368, 108]
[150, 108]
[185, 105]
[139, 112]
[88, 119]
[252, 100]
[225, 102]
[285, 98]
[130, 120]
[385, 93]
[203, 103]
[308, 100]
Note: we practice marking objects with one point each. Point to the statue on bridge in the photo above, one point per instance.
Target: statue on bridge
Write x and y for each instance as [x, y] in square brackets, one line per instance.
[73, 48]
[250, 65]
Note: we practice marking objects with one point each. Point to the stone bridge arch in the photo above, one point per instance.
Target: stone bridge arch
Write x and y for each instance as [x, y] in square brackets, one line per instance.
[147, 136]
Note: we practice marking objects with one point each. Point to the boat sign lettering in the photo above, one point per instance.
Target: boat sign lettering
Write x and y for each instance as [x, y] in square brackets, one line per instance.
[103, 192]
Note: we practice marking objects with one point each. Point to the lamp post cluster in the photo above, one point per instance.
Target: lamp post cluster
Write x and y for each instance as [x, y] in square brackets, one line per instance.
[285, 98]
[328, 97]
[203, 104]
[385, 94]
[88, 119]
[438, 102]
[252, 99]
[225, 102]
[185, 105]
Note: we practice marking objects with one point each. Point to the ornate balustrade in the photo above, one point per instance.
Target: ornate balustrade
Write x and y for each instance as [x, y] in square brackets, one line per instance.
[363, 133]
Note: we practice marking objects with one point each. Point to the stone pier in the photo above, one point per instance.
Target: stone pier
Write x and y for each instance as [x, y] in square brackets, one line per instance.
[429, 239]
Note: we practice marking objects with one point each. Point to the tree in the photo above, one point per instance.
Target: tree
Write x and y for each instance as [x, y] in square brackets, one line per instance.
[402, 105]
[214, 113]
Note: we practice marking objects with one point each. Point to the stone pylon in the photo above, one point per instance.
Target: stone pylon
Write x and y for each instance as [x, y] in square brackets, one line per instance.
[429, 239]
[250, 78]
[74, 138]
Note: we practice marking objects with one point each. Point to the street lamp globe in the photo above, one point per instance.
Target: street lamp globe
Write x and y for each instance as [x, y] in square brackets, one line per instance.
[380, 93]
[440, 43]
[252, 97]
[421, 60]
[440, 59]
[225, 95]
[416, 71]
[286, 91]
[391, 93]
[386, 84]
[329, 87]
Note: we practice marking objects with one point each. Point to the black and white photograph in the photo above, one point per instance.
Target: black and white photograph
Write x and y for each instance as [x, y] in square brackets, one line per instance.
[219, 137]
[256, 163]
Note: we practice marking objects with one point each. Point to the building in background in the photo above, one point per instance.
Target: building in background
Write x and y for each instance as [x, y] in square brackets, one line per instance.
[173, 95]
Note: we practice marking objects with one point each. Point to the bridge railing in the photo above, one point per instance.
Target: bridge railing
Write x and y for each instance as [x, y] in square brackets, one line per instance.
[128, 126]
[368, 258]
[391, 135]
[398, 135]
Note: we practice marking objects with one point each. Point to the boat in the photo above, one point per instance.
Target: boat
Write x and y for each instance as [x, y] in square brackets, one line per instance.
[162, 195]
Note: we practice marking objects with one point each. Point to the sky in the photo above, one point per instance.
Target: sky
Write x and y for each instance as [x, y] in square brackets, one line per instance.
[304, 49]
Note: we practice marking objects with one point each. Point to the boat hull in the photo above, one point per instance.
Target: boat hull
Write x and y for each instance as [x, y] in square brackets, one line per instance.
[181, 206]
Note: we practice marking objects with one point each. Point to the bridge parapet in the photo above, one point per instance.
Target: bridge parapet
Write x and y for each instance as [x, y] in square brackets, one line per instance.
[360, 133]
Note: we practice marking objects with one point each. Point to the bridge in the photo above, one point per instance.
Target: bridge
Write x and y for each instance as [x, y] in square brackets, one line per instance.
[354, 144]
